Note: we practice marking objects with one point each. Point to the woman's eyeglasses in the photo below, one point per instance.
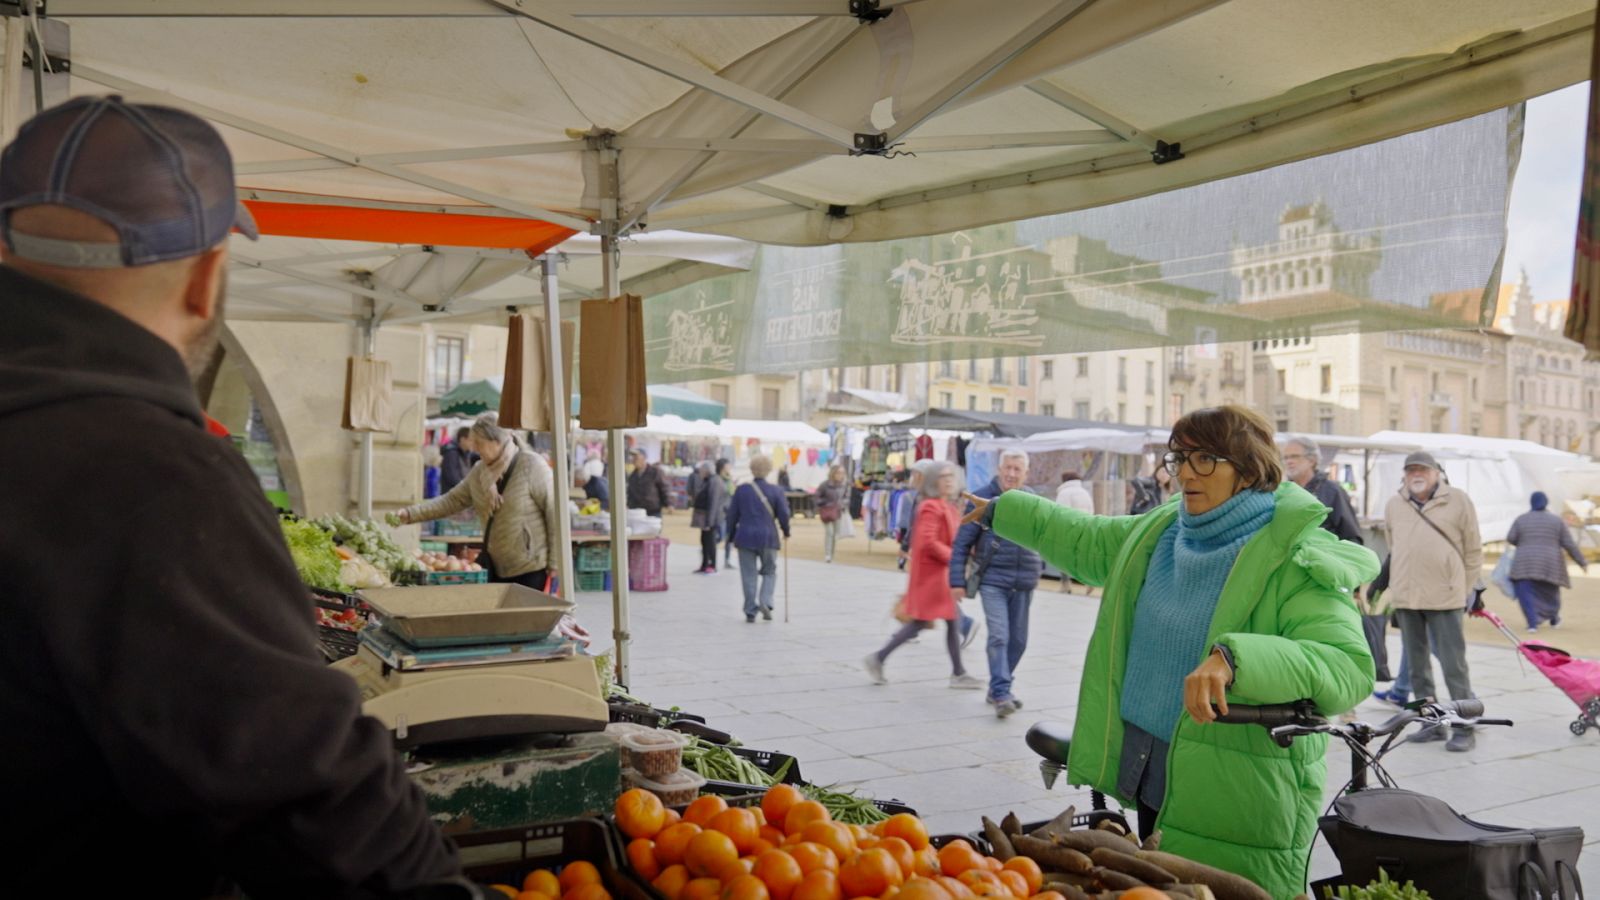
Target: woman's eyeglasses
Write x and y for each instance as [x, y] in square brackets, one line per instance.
[1200, 462]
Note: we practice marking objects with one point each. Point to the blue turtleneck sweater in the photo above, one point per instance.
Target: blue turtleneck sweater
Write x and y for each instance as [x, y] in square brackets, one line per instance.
[1181, 589]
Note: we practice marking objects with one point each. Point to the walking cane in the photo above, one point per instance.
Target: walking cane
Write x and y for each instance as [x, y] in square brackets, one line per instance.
[785, 582]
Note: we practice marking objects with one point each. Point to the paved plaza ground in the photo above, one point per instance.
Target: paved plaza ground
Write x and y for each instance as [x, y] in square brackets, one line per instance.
[799, 688]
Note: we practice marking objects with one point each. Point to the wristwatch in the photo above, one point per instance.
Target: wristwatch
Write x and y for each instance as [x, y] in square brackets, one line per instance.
[1227, 657]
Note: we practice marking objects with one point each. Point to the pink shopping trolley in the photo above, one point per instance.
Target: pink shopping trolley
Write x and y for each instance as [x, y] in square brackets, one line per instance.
[1578, 678]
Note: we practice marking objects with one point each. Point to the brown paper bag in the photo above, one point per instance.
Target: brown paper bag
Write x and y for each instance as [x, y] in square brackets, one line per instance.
[611, 373]
[524, 399]
[368, 394]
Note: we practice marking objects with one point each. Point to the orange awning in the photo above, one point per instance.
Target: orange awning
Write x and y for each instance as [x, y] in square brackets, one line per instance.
[388, 226]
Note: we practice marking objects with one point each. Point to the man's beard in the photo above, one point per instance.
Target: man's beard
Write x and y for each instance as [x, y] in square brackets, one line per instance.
[204, 344]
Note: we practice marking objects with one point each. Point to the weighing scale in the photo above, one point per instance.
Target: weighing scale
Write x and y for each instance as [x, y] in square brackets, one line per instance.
[461, 662]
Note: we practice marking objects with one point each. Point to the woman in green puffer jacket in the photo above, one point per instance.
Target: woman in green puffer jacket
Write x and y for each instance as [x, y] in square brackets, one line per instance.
[1229, 592]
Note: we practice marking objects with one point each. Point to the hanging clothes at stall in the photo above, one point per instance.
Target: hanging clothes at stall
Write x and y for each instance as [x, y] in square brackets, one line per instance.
[924, 447]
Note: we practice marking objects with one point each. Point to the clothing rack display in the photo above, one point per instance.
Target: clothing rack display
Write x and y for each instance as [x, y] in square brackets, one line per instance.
[881, 507]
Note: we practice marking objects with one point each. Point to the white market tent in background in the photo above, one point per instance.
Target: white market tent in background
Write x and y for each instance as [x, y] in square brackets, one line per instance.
[752, 119]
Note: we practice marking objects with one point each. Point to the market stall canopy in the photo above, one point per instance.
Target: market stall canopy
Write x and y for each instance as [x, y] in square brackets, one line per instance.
[769, 431]
[667, 400]
[471, 398]
[1001, 424]
[1109, 440]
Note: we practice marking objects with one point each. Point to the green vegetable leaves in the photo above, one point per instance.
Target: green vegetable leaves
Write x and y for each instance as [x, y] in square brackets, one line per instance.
[1382, 889]
[313, 553]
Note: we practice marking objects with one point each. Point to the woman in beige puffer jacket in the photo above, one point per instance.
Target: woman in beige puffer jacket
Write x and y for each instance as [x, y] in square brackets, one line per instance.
[513, 492]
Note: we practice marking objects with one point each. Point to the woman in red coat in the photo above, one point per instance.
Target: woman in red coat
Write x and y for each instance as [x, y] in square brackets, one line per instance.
[929, 598]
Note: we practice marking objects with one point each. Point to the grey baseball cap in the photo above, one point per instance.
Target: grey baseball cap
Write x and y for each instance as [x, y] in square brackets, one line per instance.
[1422, 458]
[162, 177]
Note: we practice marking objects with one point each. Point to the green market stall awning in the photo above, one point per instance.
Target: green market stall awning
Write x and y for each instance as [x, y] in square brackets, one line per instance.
[470, 398]
[667, 400]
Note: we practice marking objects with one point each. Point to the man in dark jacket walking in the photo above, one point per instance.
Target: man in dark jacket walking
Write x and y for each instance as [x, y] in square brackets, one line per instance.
[647, 487]
[175, 700]
[1007, 575]
[455, 460]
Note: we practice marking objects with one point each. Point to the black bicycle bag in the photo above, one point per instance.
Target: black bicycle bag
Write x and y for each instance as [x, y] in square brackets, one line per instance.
[1421, 839]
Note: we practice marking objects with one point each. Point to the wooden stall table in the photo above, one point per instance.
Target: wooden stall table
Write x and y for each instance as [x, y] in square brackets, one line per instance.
[801, 502]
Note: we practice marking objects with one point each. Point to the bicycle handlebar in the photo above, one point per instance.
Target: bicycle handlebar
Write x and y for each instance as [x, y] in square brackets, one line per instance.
[1271, 716]
[1301, 717]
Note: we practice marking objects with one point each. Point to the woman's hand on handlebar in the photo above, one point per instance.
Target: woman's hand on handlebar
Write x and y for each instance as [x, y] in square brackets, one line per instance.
[978, 506]
[1205, 686]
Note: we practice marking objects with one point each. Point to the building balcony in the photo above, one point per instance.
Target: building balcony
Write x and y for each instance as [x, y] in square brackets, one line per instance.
[1231, 379]
[1180, 373]
[1440, 400]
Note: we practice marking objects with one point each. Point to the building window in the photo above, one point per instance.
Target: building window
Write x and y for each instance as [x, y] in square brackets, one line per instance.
[1122, 374]
[997, 374]
[998, 404]
[1083, 367]
[1022, 406]
[1327, 382]
[1474, 388]
[1080, 410]
[1149, 378]
[769, 403]
[1176, 412]
[1325, 424]
[449, 354]
[947, 369]
[946, 401]
[1283, 380]
[972, 370]
[1305, 278]
[1022, 370]
[972, 401]
[1047, 369]
[1283, 425]
[719, 393]
[1048, 409]
[1319, 275]
[1394, 424]
[1122, 412]
[1521, 390]
[1149, 415]
[1434, 380]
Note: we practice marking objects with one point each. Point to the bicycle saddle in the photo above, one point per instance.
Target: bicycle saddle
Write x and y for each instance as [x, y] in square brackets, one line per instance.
[1051, 740]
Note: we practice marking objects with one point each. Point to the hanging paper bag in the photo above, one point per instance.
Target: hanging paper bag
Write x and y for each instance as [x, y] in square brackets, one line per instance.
[368, 395]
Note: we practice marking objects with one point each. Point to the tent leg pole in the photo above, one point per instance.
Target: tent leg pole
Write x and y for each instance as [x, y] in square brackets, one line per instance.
[560, 410]
[369, 347]
[619, 495]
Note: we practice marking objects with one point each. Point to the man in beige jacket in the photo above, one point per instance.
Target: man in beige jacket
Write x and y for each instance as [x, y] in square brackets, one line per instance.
[1435, 569]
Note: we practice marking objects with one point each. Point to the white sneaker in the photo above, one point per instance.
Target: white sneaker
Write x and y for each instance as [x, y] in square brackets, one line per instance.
[874, 667]
[967, 683]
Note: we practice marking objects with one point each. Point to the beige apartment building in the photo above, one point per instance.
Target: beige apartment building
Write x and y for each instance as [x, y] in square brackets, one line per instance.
[1552, 390]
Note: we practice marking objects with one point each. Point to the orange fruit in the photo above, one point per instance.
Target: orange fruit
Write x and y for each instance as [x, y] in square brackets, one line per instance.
[673, 841]
[835, 837]
[773, 836]
[506, 889]
[927, 862]
[702, 889]
[739, 824]
[704, 809]
[1032, 875]
[870, 873]
[709, 853]
[1015, 883]
[908, 828]
[761, 817]
[780, 872]
[1048, 895]
[742, 866]
[640, 813]
[812, 857]
[990, 889]
[671, 881]
[544, 881]
[587, 892]
[778, 801]
[955, 888]
[904, 856]
[976, 876]
[891, 893]
[670, 816]
[804, 813]
[994, 864]
[920, 888]
[860, 833]
[578, 872]
[1142, 893]
[792, 839]
[746, 887]
[642, 857]
[957, 857]
[533, 895]
[819, 885]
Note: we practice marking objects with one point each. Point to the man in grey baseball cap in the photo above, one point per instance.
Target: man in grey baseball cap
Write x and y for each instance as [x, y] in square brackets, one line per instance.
[163, 696]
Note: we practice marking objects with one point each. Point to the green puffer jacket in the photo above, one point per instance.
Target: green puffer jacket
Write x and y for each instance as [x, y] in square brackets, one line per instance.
[1234, 799]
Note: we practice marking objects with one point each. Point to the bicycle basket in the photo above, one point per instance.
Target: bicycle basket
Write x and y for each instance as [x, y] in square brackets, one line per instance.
[1418, 838]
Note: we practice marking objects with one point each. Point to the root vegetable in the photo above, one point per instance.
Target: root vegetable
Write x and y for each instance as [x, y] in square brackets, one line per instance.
[1011, 824]
[998, 842]
[1153, 842]
[1073, 878]
[1127, 863]
[1059, 825]
[1115, 828]
[1087, 839]
[1050, 856]
[1069, 891]
[1114, 880]
[1226, 885]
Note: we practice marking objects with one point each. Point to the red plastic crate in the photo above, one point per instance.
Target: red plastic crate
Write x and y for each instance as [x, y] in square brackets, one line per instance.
[647, 564]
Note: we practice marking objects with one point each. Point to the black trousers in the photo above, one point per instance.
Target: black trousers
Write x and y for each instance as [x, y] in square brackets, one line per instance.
[1147, 818]
[708, 548]
[537, 580]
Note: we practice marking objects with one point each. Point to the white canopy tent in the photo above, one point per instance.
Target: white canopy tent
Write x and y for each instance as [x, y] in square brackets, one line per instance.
[786, 121]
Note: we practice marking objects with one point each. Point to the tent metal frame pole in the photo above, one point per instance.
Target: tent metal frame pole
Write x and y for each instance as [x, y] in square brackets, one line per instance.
[619, 502]
[560, 409]
[369, 346]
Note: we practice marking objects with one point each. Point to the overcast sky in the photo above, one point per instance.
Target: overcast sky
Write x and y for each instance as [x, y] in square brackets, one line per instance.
[1543, 220]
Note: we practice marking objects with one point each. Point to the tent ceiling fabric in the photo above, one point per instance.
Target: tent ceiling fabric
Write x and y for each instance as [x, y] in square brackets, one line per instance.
[1013, 110]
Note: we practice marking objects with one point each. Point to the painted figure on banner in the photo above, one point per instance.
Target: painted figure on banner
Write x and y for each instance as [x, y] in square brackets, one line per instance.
[980, 298]
[701, 338]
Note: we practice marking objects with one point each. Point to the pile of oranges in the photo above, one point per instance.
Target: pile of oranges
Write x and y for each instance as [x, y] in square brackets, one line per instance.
[579, 880]
[789, 848]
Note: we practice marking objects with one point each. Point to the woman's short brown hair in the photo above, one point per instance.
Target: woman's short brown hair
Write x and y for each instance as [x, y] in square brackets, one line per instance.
[1238, 433]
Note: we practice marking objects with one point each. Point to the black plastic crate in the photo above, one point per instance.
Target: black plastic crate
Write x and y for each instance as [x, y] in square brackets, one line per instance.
[507, 856]
[767, 761]
[640, 714]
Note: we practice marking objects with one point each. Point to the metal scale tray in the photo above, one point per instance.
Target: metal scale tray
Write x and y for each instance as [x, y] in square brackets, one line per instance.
[466, 614]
